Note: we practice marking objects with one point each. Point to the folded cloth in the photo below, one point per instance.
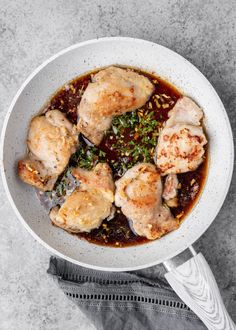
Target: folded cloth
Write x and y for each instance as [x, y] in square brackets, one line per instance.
[127, 301]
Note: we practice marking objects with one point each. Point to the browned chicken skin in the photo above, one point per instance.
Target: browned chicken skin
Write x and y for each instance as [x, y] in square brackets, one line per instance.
[139, 194]
[181, 143]
[112, 92]
[89, 204]
[52, 139]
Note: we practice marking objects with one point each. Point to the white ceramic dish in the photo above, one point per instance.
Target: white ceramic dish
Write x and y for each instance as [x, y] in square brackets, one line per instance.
[191, 280]
[75, 61]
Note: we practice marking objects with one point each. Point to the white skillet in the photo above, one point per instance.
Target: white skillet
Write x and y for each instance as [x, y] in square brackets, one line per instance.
[193, 280]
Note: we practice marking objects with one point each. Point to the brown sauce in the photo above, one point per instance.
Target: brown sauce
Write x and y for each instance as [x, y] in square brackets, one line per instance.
[117, 232]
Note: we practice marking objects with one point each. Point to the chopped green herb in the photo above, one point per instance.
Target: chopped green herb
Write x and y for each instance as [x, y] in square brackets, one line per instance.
[143, 128]
[87, 156]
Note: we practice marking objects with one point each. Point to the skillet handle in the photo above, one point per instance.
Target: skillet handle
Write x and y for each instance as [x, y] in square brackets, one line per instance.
[195, 284]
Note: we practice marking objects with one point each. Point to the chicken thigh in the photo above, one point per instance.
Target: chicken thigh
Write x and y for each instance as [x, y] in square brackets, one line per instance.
[112, 92]
[89, 204]
[52, 139]
[170, 190]
[139, 194]
[181, 143]
[170, 187]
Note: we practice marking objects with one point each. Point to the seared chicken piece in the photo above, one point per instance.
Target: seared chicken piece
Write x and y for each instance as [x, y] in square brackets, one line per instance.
[139, 194]
[112, 92]
[170, 187]
[100, 178]
[89, 204]
[185, 111]
[181, 143]
[171, 190]
[33, 172]
[52, 139]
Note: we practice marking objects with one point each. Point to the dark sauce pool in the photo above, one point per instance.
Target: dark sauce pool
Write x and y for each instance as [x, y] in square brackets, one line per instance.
[131, 139]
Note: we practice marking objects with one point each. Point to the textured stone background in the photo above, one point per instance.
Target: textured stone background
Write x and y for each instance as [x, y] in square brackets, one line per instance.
[31, 31]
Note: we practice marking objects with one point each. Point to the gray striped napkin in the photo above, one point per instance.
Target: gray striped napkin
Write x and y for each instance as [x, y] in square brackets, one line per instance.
[124, 301]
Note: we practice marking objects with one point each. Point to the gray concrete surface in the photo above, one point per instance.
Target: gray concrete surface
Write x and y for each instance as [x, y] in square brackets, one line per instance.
[31, 31]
